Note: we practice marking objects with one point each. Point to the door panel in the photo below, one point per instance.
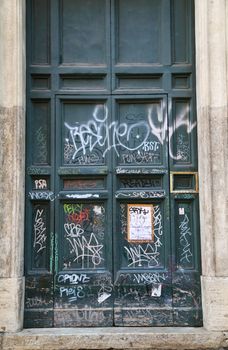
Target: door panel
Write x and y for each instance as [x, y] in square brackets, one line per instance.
[139, 31]
[141, 138]
[83, 272]
[142, 280]
[83, 29]
[112, 225]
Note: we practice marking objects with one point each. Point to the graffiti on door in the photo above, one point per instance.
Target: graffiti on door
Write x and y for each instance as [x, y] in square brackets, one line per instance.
[84, 233]
[137, 140]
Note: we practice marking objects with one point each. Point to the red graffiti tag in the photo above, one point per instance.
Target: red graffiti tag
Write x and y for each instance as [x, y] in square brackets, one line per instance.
[80, 217]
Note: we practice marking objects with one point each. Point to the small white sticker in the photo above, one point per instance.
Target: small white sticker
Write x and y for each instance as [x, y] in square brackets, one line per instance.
[181, 211]
[156, 290]
[103, 297]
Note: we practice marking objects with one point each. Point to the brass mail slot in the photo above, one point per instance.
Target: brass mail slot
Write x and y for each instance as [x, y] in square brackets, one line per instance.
[184, 182]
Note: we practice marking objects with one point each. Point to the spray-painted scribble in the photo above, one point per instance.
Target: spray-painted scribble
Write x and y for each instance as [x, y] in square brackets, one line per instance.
[183, 149]
[86, 249]
[138, 140]
[98, 222]
[138, 182]
[73, 230]
[73, 278]
[84, 231]
[89, 316]
[150, 277]
[40, 231]
[82, 196]
[41, 146]
[145, 317]
[76, 213]
[72, 293]
[185, 234]
[37, 302]
[151, 146]
[140, 157]
[181, 121]
[98, 133]
[40, 184]
[141, 194]
[42, 195]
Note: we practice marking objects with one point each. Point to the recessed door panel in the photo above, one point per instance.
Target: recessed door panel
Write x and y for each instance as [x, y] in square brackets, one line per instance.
[85, 132]
[142, 281]
[83, 32]
[83, 270]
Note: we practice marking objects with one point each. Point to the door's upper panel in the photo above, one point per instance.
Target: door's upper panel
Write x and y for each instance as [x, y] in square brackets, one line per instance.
[138, 32]
[84, 129]
[141, 131]
[83, 28]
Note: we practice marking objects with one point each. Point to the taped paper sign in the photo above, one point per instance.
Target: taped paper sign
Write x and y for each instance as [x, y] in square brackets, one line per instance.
[103, 297]
[156, 290]
[140, 223]
[181, 211]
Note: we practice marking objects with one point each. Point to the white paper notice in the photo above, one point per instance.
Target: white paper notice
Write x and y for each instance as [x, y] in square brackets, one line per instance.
[181, 211]
[103, 297]
[156, 290]
[140, 222]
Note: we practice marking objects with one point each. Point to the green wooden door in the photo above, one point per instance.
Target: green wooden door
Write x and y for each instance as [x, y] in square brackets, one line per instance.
[112, 232]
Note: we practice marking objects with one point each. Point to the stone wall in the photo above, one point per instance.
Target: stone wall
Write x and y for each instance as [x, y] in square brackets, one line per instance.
[212, 98]
[12, 156]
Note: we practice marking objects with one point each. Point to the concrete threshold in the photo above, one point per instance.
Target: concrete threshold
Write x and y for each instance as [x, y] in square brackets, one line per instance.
[114, 338]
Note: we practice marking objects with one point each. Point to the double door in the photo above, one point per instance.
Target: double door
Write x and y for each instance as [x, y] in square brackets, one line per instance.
[112, 232]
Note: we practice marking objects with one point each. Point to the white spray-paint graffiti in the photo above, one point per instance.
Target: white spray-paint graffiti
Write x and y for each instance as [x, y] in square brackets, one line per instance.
[73, 278]
[72, 293]
[42, 195]
[141, 194]
[185, 233]
[40, 184]
[73, 230]
[36, 302]
[40, 231]
[89, 315]
[147, 254]
[84, 228]
[150, 277]
[144, 317]
[100, 136]
[97, 132]
[86, 249]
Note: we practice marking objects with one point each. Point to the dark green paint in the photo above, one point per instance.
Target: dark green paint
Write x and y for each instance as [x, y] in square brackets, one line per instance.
[113, 63]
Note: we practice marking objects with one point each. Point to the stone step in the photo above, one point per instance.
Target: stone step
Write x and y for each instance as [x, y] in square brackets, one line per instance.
[160, 338]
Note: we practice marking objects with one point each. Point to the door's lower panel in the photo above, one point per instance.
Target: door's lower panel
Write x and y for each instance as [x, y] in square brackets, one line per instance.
[86, 317]
[143, 317]
[143, 305]
[38, 301]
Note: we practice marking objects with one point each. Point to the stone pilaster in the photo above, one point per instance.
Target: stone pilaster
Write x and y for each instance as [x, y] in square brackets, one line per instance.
[212, 99]
[12, 135]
